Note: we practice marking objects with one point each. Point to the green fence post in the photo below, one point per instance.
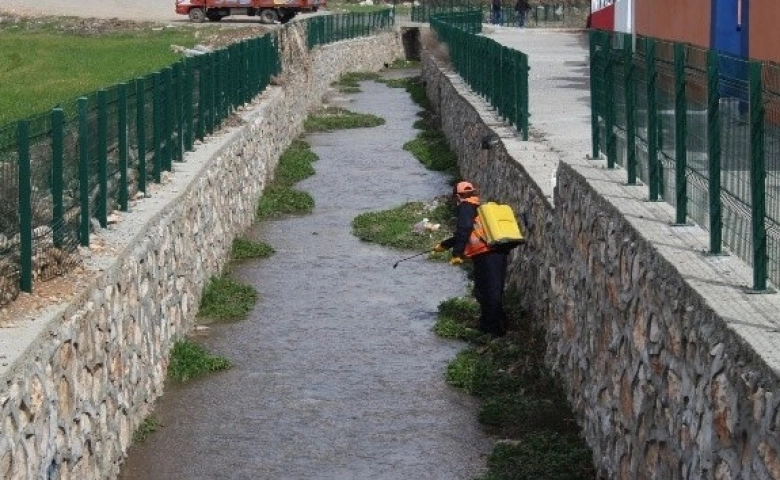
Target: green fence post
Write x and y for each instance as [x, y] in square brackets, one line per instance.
[200, 66]
[216, 94]
[681, 135]
[101, 209]
[168, 103]
[140, 119]
[652, 122]
[594, 96]
[25, 206]
[57, 190]
[524, 94]
[220, 89]
[157, 116]
[211, 93]
[189, 99]
[517, 74]
[124, 193]
[714, 153]
[629, 87]
[239, 76]
[207, 94]
[495, 70]
[178, 123]
[231, 84]
[181, 124]
[609, 102]
[83, 109]
[758, 178]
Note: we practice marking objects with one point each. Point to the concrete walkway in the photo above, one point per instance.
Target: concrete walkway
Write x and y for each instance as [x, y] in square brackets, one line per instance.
[560, 127]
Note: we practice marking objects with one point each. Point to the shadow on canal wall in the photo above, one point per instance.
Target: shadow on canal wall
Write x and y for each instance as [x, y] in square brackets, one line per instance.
[96, 364]
[662, 386]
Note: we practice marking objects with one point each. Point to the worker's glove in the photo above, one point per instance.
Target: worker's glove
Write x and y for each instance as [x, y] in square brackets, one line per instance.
[455, 261]
[439, 248]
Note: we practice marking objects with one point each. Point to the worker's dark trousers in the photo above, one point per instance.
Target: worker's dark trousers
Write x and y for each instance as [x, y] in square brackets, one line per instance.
[489, 276]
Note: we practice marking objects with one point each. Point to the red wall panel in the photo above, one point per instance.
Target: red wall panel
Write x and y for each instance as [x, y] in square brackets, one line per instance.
[603, 19]
[676, 20]
[764, 26]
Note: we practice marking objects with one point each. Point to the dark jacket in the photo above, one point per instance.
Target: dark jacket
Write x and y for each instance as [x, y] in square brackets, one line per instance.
[522, 6]
[467, 212]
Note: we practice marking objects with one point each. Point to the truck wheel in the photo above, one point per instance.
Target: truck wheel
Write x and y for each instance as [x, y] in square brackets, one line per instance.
[197, 15]
[268, 15]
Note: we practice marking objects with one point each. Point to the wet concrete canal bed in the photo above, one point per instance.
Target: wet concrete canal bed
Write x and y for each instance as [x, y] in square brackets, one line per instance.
[337, 373]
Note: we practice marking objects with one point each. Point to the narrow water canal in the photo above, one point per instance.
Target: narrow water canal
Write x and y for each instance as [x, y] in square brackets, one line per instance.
[337, 374]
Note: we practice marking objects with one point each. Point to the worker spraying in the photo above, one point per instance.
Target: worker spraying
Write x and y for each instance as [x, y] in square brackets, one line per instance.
[490, 262]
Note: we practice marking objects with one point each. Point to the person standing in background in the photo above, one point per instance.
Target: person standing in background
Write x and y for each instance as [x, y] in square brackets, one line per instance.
[521, 10]
[495, 12]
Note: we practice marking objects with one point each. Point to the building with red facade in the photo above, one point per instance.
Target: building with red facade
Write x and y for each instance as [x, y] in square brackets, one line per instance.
[746, 28]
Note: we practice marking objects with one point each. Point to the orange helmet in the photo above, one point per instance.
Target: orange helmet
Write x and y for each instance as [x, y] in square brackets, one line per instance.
[464, 187]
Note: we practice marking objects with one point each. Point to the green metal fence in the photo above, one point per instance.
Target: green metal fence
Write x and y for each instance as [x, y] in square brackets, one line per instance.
[498, 73]
[424, 11]
[332, 28]
[699, 128]
[65, 170]
[539, 16]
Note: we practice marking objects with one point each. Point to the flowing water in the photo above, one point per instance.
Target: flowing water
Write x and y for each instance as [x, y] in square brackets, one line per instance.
[337, 374]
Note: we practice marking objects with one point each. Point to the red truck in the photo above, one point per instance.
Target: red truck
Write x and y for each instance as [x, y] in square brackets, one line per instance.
[269, 11]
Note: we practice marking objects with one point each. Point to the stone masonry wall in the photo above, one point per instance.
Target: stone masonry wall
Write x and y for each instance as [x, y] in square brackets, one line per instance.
[70, 404]
[662, 388]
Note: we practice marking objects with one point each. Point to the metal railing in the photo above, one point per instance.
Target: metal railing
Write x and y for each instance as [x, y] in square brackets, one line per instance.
[701, 129]
[67, 169]
[538, 16]
[333, 28]
[496, 72]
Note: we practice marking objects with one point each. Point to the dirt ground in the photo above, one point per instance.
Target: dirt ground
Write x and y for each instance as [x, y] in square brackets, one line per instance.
[138, 10]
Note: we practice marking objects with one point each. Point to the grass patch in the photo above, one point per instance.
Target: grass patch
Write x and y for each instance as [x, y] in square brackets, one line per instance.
[350, 82]
[295, 164]
[147, 427]
[402, 64]
[521, 400]
[278, 201]
[190, 360]
[394, 227]
[486, 370]
[40, 69]
[547, 455]
[430, 147]
[244, 249]
[394, 82]
[225, 299]
[280, 198]
[458, 319]
[414, 86]
[516, 414]
[335, 118]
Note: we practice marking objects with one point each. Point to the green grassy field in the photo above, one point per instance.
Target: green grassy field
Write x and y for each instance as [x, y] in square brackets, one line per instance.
[45, 67]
